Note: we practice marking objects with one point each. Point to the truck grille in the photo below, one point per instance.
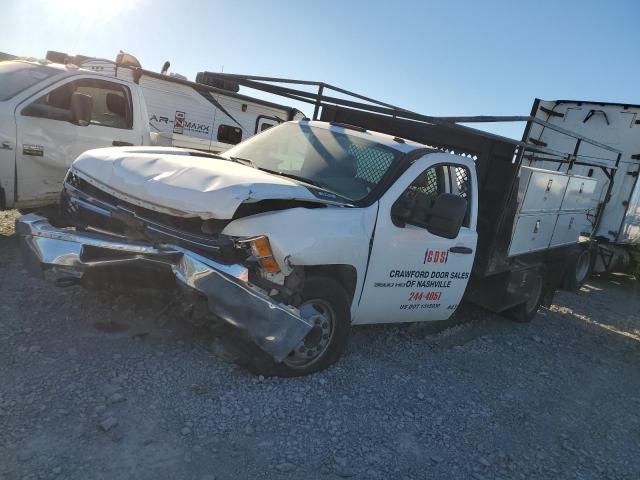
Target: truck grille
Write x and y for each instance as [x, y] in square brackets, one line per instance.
[86, 206]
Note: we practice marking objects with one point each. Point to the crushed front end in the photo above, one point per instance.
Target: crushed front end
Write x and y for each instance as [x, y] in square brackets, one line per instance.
[104, 232]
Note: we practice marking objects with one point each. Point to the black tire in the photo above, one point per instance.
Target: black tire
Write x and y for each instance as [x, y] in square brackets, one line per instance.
[535, 285]
[578, 270]
[320, 292]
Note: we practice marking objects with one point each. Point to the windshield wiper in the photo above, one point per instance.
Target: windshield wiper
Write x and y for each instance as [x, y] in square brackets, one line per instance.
[296, 177]
[243, 161]
[307, 181]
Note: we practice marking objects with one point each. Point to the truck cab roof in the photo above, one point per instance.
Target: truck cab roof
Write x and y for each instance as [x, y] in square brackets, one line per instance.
[69, 67]
[397, 143]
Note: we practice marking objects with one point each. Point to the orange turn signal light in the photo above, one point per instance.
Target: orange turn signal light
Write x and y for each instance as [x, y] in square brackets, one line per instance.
[269, 265]
[261, 249]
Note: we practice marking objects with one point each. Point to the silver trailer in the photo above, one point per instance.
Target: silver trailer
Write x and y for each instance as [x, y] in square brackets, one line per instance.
[615, 228]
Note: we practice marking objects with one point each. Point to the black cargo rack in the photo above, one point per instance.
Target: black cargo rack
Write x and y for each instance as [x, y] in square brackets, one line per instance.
[498, 158]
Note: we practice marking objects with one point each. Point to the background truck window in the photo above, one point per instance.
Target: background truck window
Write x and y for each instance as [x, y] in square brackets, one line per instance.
[111, 103]
[18, 76]
[229, 134]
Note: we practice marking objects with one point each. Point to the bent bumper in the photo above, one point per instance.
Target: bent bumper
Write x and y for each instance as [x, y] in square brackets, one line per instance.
[274, 327]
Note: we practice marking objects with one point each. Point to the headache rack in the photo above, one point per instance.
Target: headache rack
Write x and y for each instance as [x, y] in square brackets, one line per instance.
[498, 158]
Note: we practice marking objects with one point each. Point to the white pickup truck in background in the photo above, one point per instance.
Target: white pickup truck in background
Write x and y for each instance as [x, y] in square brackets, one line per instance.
[52, 112]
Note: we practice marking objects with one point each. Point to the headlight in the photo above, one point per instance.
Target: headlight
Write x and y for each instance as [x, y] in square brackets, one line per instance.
[261, 250]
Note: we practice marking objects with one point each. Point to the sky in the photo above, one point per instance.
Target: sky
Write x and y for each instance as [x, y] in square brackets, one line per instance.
[453, 57]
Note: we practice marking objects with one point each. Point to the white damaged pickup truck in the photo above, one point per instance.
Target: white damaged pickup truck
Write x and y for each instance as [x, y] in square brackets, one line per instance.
[291, 236]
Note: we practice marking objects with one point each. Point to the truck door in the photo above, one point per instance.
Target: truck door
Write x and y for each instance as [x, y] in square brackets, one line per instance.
[48, 141]
[413, 274]
[7, 157]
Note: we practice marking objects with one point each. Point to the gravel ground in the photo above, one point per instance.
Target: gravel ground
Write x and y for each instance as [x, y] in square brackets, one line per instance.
[98, 386]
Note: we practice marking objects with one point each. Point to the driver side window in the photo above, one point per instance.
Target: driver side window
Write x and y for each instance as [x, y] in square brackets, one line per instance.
[416, 204]
[111, 103]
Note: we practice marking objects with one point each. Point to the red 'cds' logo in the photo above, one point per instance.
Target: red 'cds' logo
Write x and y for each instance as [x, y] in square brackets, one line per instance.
[435, 256]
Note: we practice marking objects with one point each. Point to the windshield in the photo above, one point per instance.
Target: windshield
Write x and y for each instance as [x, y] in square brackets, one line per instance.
[18, 76]
[345, 164]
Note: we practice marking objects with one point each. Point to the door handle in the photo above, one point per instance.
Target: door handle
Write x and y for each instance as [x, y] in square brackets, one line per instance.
[34, 150]
[465, 250]
[119, 143]
[6, 146]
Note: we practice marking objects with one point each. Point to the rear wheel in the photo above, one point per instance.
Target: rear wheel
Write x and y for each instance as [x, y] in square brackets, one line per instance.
[534, 286]
[325, 305]
[578, 270]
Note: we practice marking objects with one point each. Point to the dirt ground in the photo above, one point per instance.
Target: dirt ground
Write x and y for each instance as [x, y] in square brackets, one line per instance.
[98, 386]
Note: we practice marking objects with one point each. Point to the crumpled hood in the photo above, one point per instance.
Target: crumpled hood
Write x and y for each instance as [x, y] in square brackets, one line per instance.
[169, 180]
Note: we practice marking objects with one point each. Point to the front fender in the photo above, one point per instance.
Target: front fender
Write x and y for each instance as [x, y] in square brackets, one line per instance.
[319, 236]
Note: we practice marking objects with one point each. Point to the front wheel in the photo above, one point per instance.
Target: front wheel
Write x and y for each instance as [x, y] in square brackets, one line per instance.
[325, 305]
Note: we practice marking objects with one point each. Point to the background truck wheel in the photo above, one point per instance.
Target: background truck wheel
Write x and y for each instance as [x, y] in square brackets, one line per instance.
[534, 286]
[579, 267]
[325, 304]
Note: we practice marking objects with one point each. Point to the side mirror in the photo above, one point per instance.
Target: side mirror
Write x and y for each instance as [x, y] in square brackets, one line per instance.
[81, 108]
[400, 212]
[447, 215]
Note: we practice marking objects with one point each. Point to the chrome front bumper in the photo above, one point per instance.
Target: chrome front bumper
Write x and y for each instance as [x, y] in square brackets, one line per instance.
[274, 327]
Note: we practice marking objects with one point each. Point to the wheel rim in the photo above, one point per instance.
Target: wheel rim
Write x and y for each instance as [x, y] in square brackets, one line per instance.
[321, 316]
[582, 266]
[535, 287]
